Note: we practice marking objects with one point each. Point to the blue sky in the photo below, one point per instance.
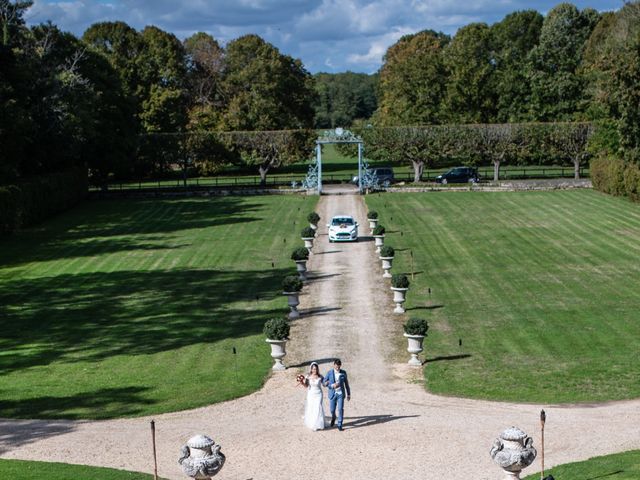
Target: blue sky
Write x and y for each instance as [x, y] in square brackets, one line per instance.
[328, 35]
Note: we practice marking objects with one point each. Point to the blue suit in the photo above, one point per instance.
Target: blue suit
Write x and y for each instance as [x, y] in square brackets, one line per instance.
[335, 399]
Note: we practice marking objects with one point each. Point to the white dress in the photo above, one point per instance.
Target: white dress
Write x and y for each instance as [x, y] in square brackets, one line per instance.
[313, 409]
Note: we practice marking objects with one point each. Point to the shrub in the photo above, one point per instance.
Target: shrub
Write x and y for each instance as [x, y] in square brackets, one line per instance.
[307, 232]
[607, 175]
[416, 326]
[291, 283]
[632, 181]
[399, 280]
[300, 253]
[372, 215]
[277, 329]
[313, 218]
[387, 251]
[379, 230]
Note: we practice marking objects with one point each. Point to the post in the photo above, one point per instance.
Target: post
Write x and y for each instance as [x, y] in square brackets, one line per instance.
[412, 269]
[155, 458]
[319, 163]
[360, 167]
[543, 418]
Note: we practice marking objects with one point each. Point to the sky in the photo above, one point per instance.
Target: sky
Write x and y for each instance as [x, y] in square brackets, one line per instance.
[327, 35]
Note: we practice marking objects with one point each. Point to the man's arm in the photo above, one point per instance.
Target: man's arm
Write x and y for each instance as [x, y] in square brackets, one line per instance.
[346, 384]
[326, 380]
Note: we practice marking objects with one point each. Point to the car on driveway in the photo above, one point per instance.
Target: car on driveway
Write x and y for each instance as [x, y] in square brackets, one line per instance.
[458, 175]
[343, 228]
[383, 174]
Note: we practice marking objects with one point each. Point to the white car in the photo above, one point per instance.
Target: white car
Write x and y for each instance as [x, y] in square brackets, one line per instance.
[343, 228]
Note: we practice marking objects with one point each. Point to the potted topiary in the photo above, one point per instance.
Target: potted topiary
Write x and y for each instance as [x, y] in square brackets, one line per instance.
[313, 219]
[308, 234]
[277, 332]
[291, 286]
[415, 330]
[386, 255]
[300, 255]
[378, 235]
[372, 216]
[399, 285]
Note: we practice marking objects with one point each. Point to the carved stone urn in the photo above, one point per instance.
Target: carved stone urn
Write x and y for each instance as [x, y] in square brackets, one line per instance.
[293, 300]
[513, 451]
[201, 458]
[414, 348]
[387, 262]
[278, 352]
[399, 298]
[308, 243]
[301, 267]
[373, 223]
[379, 242]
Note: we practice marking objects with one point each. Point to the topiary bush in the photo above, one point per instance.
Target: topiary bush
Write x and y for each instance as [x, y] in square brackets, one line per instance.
[307, 232]
[313, 218]
[399, 280]
[277, 329]
[372, 215]
[387, 251]
[416, 326]
[300, 254]
[379, 230]
[291, 283]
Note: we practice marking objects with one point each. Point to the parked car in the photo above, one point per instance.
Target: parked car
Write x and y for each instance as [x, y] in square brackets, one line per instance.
[459, 175]
[383, 174]
[343, 228]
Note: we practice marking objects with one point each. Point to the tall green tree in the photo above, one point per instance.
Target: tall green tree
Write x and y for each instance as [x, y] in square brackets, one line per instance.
[344, 98]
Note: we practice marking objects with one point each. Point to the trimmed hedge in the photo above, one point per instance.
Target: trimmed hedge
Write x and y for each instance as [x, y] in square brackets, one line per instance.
[32, 201]
[616, 176]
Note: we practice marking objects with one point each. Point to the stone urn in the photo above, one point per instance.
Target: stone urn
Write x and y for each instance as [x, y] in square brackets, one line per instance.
[301, 267]
[314, 226]
[278, 352]
[201, 458]
[379, 242]
[308, 243]
[414, 348]
[373, 223]
[293, 300]
[399, 298]
[387, 262]
[513, 451]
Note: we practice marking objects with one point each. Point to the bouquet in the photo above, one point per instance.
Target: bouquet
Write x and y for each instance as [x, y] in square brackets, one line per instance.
[301, 380]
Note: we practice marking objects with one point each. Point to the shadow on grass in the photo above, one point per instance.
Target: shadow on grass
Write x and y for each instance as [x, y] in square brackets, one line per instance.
[446, 358]
[426, 307]
[369, 420]
[606, 475]
[93, 316]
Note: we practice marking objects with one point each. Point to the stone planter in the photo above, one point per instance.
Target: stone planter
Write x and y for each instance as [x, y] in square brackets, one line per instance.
[293, 301]
[308, 243]
[387, 262]
[373, 223]
[301, 266]
[379, 242]
[399, 299]
[278, 352]
[315, 227]
[201, 458]
[414, 348]
[513, 451]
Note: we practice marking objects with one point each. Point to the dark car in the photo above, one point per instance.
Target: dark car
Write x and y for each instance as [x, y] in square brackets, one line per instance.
[383, 174]
[458, 175]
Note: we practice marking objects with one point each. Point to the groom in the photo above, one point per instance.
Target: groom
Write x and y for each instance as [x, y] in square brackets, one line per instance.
[338, 385]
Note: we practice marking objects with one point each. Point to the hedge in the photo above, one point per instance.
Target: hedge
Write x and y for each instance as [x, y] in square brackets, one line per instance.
[35, 200]
[615, 176]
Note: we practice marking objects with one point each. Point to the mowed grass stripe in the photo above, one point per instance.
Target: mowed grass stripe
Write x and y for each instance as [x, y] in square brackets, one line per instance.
[143, 316]
[538, 285]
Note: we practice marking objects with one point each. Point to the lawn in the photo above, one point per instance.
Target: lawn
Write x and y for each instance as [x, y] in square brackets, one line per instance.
[541, 289]
[25, 470]
[133, 307]
[621, 466]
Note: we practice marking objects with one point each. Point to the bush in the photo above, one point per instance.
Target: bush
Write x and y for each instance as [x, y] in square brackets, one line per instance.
[277, 329]
[416, 326]
[308, 232]
[313, 218]
[299, 254]
[387, 251]
[609, 175]
[379, 230]
[399, 280]
[632, 181]
[291, 283]
[372, 215]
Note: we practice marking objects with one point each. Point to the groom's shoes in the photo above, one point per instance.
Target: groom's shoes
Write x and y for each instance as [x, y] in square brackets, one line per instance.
[340, 428]
[333, 421]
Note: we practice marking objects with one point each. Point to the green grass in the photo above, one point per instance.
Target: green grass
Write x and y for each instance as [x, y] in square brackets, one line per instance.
[132, 307]
[621, 466]
[541, 287]
[26, 470]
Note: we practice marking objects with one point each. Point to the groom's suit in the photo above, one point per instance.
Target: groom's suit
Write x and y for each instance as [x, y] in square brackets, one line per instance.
[336, 395]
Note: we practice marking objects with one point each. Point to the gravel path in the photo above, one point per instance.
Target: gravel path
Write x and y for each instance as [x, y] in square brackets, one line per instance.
[393, 428]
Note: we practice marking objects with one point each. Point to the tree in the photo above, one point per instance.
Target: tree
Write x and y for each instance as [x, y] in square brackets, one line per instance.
[343, 98]
[413, 80]
[570, 141]
[494, 142]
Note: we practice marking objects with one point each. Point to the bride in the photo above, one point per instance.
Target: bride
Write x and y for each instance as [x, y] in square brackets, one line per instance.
[313, 409]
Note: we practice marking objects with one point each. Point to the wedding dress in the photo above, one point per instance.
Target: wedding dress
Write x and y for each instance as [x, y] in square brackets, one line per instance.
[313, 409]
